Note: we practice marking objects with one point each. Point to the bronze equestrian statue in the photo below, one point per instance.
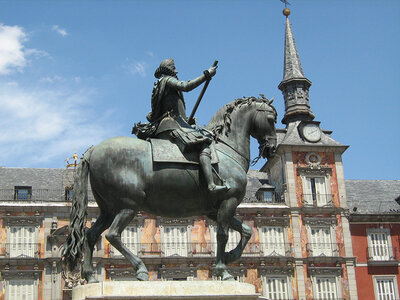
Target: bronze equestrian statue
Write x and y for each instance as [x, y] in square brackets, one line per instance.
[128, 175]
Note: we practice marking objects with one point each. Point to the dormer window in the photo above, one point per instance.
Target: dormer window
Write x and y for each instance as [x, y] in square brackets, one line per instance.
[22, 193]
[266, 196]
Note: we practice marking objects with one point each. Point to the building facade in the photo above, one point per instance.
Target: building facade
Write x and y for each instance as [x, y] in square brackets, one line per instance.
[306, 243]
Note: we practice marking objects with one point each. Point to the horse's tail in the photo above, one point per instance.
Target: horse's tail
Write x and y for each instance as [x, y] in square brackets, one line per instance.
[73, 248]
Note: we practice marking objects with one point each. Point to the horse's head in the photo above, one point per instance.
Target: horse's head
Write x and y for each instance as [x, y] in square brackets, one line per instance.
[263, 127]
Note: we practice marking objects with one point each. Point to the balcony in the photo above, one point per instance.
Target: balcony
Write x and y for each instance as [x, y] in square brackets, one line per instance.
[382, 255]
[325, 249]
[38, 195]
[20, 250]
[201, 250]
[317, 200]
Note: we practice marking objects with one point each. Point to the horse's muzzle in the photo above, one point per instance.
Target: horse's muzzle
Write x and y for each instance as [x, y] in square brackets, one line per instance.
[268, 149]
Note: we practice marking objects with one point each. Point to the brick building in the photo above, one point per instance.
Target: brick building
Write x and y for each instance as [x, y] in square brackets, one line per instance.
[375, 231]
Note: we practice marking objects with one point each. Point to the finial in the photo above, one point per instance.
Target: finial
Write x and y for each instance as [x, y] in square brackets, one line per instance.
[73, 164]
[286, 12]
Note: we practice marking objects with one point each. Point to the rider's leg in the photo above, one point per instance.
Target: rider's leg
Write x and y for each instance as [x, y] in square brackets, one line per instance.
[205, 164]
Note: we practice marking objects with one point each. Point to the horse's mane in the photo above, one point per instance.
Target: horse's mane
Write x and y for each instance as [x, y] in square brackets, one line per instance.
[220, 123]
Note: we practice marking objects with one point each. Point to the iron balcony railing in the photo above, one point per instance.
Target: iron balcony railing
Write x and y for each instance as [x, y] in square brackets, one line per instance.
[20, 250]
[38, 195]
[317, 200]
[382, 253]
[201, 249]
[325, 249]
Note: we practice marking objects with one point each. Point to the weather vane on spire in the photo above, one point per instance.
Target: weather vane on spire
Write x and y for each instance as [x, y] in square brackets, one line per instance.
[286, 11]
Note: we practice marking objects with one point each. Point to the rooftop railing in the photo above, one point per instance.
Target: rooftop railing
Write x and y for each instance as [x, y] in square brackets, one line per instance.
[38, 195]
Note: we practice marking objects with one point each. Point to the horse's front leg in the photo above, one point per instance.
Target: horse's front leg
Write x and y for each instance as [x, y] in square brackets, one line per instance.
[224, 217]
[245, 235]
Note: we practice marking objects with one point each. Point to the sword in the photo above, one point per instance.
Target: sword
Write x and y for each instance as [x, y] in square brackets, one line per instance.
[190, 120]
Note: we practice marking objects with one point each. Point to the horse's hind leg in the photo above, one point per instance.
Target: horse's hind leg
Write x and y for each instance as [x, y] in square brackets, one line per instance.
[92, 235]
[245, 235]
[113, 235]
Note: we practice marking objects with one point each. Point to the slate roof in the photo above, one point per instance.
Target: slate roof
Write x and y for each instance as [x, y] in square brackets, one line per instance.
[291, 136]
[37, 178]
[255, 181]
[373, 196]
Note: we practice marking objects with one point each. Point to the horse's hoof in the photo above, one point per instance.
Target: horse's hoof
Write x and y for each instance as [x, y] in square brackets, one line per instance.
[142, 276]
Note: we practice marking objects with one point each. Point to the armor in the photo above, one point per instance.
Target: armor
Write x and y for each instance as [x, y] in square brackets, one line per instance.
[169, 111]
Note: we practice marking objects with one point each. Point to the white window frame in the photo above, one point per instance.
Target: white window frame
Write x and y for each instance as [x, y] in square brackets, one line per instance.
[279, 250]
[395, 294]
[307, 190]
[376, 252]
[23, 247]
[8, 287]
[178, 247]
[289, 292]
[334, 278]
[132, 246]
[323, 251]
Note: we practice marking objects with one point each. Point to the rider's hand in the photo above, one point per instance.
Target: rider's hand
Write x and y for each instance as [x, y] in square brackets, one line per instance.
[212, 70]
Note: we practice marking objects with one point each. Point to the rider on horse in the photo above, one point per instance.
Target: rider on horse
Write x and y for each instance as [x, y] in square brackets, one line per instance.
[168, 110]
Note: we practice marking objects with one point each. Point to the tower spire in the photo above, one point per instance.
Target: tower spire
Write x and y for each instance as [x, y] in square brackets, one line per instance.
[295, 85]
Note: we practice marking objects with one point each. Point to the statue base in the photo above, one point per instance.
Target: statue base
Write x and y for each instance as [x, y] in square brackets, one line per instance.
[175, 290]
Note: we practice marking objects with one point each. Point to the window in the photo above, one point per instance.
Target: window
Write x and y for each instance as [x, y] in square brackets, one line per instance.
[175, 240]
[273, 240]
[321, 241]
[233, 240]
[385, 288]
[266, 196]
[379, 244]
[21, 289]
[22, 192]
[22, 241]
[325, 288]
[129, 238]
[69, 194]
[276, 288]
[315, 191]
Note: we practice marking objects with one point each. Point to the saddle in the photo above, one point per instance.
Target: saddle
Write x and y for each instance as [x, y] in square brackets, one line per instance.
[164, 151]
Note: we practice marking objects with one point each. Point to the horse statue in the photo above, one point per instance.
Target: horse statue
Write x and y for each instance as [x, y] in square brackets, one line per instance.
[125, 180]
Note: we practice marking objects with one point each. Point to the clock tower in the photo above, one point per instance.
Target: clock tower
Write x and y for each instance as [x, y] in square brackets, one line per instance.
[307, 170]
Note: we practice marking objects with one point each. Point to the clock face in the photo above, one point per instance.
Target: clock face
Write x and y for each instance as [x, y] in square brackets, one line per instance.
[311, 132]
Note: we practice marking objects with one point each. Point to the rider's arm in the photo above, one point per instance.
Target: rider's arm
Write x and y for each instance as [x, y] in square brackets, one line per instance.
[189, 85]
[185, 86]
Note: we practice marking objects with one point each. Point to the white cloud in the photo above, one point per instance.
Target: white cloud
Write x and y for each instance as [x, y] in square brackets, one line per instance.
[150, 53]
[59, 30]
[12, 55]
[43, 126]
[138, 68]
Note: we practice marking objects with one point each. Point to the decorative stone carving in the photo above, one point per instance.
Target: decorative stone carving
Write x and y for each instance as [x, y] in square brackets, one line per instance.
[22, 220]
[272, 221]
[322, 221]
[313, 159]
[316, 271]
[181, 272]
[314, 170]
[287, 270]
[22, 274]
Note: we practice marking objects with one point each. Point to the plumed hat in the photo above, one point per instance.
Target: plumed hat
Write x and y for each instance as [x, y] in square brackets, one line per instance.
[167, 67]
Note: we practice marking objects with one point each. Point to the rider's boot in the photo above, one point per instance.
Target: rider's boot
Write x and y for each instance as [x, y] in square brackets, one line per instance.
[205, 163]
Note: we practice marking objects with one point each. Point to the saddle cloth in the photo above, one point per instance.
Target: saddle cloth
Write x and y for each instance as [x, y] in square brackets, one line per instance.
[165, 151]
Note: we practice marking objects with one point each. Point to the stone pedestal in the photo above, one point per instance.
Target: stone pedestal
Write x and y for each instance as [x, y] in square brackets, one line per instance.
[171, 290]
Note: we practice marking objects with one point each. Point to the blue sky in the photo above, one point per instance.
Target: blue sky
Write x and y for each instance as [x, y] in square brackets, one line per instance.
[73, 73]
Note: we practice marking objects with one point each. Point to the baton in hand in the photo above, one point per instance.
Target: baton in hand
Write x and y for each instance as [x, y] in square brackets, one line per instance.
[190, 120]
